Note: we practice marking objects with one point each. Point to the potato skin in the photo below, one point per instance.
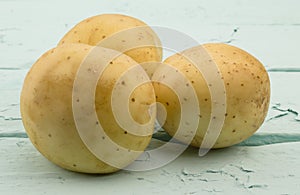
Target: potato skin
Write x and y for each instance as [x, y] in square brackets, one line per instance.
[47, 115]
[95, 29]
[247, 87]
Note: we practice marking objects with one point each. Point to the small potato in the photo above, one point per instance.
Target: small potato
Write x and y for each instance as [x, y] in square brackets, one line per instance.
[247, 89]
[53, 116]
[119, 32]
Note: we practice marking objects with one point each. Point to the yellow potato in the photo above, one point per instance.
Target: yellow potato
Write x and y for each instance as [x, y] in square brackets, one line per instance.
[118, 32]
[247, 89]
[53, 116]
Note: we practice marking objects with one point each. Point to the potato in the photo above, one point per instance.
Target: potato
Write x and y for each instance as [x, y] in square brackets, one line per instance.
[118, 32]
[247, 89]
[55, 108]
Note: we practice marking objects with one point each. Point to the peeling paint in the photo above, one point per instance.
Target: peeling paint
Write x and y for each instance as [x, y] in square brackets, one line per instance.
[242, 169]
[285, 111]
[231, 39]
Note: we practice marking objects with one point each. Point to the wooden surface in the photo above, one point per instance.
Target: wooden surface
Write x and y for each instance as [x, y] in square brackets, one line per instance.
[267, 163]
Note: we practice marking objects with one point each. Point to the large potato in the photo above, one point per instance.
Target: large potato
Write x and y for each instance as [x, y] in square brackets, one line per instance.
[49, 115]
[247, 89]
[118, 32]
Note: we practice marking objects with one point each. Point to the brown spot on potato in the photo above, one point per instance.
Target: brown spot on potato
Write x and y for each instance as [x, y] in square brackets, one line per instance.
[167, 103]
[125, 132]
[132, 99]
[69, 57]
[233, 116]
[103, 37]
[49, 135]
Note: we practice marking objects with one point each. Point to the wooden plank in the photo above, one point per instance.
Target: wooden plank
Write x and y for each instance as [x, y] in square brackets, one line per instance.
[11, 82]
[256, 12]
[266, 29]
[236, 169]
[275, 46]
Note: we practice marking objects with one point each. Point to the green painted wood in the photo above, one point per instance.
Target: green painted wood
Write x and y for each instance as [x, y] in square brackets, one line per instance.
[271, 169]
[267, 163]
